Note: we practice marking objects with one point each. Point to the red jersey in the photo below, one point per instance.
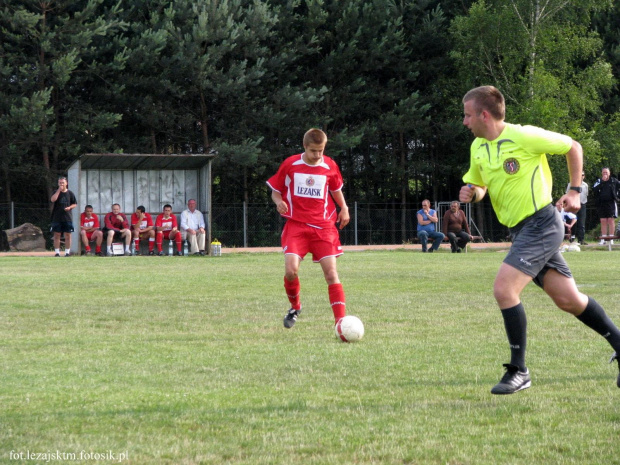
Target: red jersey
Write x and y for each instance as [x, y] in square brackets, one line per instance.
[305, 188]
[145, 223]
[166, 224]
[92, 222]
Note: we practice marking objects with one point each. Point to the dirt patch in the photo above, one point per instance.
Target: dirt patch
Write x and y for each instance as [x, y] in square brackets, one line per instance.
[346, 248]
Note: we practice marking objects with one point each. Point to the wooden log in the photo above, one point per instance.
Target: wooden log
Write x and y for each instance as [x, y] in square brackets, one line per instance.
[25, 238]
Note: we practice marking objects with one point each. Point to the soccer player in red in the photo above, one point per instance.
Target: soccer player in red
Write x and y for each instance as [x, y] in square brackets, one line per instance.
[89, 230]
[304, 190]
[116, 227]
[167, 228]
[142, 228]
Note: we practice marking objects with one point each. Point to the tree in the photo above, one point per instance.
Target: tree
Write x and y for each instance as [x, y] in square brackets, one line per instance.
[545, 59]
[55, 61]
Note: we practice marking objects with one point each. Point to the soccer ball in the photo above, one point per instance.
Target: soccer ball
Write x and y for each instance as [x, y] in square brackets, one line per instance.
[349, 329]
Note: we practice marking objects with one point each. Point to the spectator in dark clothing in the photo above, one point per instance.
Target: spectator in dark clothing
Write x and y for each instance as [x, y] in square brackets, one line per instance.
[455, 227]
[606, 192]
[63, 202]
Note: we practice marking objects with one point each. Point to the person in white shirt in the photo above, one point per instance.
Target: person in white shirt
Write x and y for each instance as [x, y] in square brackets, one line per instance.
[193, 228]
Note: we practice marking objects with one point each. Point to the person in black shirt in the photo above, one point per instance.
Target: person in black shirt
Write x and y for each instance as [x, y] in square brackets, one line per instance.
[606, 192]
[62, 222]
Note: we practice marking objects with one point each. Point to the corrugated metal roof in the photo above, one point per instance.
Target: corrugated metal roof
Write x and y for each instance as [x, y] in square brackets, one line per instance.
[138, 161]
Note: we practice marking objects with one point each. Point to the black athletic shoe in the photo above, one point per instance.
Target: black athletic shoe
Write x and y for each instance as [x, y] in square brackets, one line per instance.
[513, 381]
[161, 253]
[99, 254]
[179, 254]
[291, 317]
[151, 252]
[57, 255]
[611, 360]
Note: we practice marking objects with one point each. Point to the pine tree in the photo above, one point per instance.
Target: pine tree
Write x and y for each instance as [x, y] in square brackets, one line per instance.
[57, 56]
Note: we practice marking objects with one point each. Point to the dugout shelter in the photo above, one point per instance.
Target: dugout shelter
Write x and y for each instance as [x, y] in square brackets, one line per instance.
[152, 180]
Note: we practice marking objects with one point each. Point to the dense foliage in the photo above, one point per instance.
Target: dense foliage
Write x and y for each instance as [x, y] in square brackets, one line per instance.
[246, 78]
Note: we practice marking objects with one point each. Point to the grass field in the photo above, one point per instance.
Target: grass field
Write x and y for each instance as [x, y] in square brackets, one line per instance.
[185, 361]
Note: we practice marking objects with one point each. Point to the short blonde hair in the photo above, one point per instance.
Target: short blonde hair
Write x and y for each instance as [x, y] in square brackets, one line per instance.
[314, 136]
[487, 98]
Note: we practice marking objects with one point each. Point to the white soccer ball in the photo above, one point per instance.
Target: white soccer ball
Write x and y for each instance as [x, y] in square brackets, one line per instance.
[349, 329]
[574, 248]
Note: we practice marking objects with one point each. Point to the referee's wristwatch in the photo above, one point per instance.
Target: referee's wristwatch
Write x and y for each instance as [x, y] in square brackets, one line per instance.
[576, 189]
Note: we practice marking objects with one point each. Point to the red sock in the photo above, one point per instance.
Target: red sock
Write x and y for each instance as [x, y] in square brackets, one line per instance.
[97, 248]
[151, 244]
[160, 240]
[136, 244]
[88, 248]
[292, 289]
[179, 241]
[337, 300]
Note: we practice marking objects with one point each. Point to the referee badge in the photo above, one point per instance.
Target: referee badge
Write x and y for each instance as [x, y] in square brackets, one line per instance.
[511, 166]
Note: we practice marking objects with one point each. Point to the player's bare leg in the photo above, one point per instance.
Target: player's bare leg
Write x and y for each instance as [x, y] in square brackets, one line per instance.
[567, 297]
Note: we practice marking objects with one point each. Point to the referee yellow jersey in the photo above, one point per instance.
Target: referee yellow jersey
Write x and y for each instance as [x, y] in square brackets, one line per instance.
[515, 171]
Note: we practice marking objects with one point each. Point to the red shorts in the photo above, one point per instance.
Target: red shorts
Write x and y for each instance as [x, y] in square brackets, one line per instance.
[167, 235]
[299, 239]
[89, 236]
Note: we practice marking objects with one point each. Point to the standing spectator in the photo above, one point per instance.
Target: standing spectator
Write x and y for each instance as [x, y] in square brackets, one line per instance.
[304, 190]
[142, 228]
[518, 180]
[580, 231]
[62, 223]
[116, 227]
[427, 219]
[193, 228]
[89, 230]
[455, 227]
[167, 228]
[606, 191]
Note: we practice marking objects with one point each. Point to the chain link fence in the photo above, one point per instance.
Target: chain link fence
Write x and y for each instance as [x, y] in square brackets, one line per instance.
[259, 225]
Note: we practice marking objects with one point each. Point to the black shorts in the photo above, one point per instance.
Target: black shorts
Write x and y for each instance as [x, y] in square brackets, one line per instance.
[62, 227]
[118, 236]
[536, 245]
[607, 209]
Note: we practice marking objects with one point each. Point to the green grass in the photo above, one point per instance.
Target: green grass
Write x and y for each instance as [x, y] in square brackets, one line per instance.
[185, 361]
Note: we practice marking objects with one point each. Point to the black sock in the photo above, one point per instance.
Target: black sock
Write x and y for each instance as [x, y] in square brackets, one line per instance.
[595, 317]
[515, 323]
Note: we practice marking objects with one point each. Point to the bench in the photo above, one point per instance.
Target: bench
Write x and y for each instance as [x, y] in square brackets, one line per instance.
[415, 240]
[144, 250]
[608, 239]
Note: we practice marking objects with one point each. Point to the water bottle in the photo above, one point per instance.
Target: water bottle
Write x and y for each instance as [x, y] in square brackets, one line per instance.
[216, 248]
[185, 249]
[170, 248]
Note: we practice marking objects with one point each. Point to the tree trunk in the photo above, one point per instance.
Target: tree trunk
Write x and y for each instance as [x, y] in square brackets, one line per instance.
[404, 185]
[24, 238]
[203, 123]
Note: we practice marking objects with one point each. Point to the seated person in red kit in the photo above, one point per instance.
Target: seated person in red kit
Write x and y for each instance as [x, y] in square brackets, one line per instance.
[167, 228]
